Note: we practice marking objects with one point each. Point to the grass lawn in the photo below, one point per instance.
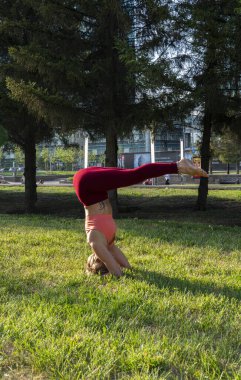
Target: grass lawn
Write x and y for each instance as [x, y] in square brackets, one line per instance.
[175, 316]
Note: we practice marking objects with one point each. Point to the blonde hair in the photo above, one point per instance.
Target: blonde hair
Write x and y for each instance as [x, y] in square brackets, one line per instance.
[95, 265]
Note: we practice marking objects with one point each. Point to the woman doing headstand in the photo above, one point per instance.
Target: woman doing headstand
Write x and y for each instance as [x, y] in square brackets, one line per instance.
[92, 185]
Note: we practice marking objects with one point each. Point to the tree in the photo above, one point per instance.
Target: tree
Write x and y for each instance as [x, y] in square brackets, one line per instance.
[214, 70]
[67, 156]
[20, 37]
[45, 155]
[113, 58]
[39, 160]
[3, 136]
[25, 131]
[111, 82]
[1, 154]
[103, 52]
[19, 156]
[227, 148]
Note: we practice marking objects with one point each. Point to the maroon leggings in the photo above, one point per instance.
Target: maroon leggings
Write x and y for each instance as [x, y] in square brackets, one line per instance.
[91, 184]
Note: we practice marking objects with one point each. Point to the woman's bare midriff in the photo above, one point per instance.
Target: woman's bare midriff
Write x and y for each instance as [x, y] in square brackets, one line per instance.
[103, 207]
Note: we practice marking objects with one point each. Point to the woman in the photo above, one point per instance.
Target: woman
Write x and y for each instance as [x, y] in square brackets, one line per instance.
[92, 186]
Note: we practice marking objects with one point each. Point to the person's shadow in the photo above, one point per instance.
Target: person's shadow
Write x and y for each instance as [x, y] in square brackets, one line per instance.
[172, 283]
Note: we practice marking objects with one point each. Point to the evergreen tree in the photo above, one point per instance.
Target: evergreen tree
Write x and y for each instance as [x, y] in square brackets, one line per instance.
[20, 33]
[212, 39]
[103, 53]
[1, 154]
[90, 64]
[25, 131]
[3, 136]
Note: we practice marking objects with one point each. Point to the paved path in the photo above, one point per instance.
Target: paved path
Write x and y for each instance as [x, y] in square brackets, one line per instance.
[46, 183]
[184, 186]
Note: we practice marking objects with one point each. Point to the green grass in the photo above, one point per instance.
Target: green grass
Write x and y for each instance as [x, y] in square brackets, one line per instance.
[175, 316]
[56, 172]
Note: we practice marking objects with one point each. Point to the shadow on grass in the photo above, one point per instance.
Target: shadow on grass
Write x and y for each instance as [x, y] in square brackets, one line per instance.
[63, 202]
[172, 283]
[49, 203]
[182, 234]
[221, 211]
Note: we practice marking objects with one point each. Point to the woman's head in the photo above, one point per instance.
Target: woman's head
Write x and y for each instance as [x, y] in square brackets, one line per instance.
[95, 265]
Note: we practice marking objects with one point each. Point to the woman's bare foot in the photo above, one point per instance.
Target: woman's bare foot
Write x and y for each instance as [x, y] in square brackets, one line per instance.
[187, 167]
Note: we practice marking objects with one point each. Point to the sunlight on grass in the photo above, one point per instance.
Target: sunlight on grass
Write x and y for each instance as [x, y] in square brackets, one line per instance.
[175, 316]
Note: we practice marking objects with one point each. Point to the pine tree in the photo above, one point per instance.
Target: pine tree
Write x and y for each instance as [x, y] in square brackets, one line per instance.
[3, 136]
[25, 131]
[103, 52]
[214, 70]
[90, 65]
[20, 37]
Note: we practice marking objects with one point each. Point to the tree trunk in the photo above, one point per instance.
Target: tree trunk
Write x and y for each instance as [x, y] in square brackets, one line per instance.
[111, 160]
[237, 167]
[30, 174]
[205, 158]
[210, 166]
[228, 168]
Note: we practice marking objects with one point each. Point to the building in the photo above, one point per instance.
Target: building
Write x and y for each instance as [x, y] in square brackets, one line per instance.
[136, 149]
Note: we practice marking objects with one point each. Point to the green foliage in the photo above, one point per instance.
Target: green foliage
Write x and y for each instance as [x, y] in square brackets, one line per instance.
[1, 153]
[45, 154]
[227, 147]
[213, 70]
[3, 136]
[215, 27]
[67, 155]
[103, 55]
[18, 155]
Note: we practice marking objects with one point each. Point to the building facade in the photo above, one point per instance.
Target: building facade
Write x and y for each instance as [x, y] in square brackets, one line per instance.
[136, 149]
